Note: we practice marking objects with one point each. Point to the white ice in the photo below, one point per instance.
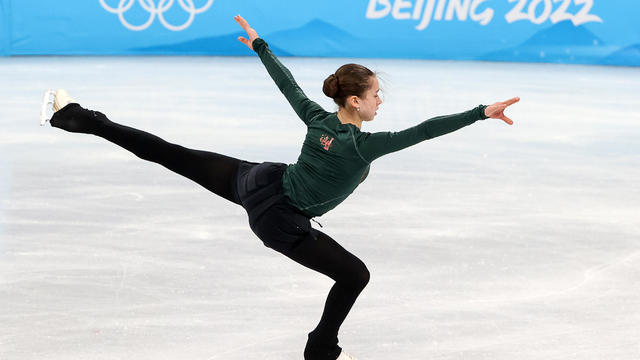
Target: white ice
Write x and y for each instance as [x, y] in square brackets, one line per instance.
[495, 242]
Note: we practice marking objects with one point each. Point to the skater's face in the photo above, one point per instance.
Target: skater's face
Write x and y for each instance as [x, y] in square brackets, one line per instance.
[369, 101]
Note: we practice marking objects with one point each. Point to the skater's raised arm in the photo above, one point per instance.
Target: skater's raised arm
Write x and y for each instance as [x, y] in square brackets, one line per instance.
[306, 109]
[374, 145]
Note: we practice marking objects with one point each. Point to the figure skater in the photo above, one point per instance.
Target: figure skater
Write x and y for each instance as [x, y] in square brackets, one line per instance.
[281, 199]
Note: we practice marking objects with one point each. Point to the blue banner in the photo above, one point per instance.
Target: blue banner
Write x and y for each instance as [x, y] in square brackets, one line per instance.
[559, 31]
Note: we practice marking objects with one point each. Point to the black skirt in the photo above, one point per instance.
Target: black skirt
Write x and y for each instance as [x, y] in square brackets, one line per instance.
[258, 188]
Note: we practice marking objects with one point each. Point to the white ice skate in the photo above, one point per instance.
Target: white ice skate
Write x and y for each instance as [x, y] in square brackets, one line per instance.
[345, 356]
[53, 101]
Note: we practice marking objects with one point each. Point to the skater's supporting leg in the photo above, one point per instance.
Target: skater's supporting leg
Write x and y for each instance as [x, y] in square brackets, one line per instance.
[213, 171]
[351, 276]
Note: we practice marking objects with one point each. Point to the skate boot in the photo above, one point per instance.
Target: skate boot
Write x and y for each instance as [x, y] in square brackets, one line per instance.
[322, 348]
[69, 115]
[53, 101]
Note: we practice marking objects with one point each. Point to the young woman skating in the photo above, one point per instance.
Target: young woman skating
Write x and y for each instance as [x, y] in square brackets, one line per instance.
[281, 199]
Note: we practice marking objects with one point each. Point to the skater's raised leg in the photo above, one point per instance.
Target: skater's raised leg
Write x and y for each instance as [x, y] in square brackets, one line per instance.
[213, 171]
[351, 276]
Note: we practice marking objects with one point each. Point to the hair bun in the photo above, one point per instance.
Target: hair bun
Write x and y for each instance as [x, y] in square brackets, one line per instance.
[355, 80]
[331, 86]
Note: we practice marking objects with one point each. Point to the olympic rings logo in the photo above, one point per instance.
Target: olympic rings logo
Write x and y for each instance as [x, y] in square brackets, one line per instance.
[156, 10]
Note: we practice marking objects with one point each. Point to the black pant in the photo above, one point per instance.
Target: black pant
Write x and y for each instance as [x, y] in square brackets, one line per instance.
[258, 188]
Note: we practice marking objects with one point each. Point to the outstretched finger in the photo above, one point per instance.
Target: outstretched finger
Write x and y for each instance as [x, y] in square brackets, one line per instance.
[243, 40]
[506, 119]
[511, 101]
[242, 22]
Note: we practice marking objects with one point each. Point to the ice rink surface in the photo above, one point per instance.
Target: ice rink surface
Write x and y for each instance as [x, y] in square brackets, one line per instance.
[495, 242]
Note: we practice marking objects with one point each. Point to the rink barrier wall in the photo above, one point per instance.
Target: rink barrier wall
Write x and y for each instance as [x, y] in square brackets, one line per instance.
[555, 31]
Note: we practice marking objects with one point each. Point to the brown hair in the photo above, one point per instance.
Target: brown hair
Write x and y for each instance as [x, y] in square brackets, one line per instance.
[349, 79]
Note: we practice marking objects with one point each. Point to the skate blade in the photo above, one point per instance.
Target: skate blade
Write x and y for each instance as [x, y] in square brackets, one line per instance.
[46, 111]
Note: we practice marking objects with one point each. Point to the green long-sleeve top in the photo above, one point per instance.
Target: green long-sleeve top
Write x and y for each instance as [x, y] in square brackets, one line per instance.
[335, 157]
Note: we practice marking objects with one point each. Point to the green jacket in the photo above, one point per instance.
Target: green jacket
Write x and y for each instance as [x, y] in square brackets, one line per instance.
[335, 157]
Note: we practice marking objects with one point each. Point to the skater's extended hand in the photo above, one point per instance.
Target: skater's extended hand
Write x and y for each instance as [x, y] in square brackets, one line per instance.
[250, 32]
[496, 111]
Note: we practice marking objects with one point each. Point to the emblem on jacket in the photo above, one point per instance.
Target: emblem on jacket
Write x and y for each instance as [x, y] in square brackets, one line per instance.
[325, 141]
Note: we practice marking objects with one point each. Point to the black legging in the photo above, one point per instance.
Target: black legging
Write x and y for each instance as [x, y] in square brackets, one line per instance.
[216, 173]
